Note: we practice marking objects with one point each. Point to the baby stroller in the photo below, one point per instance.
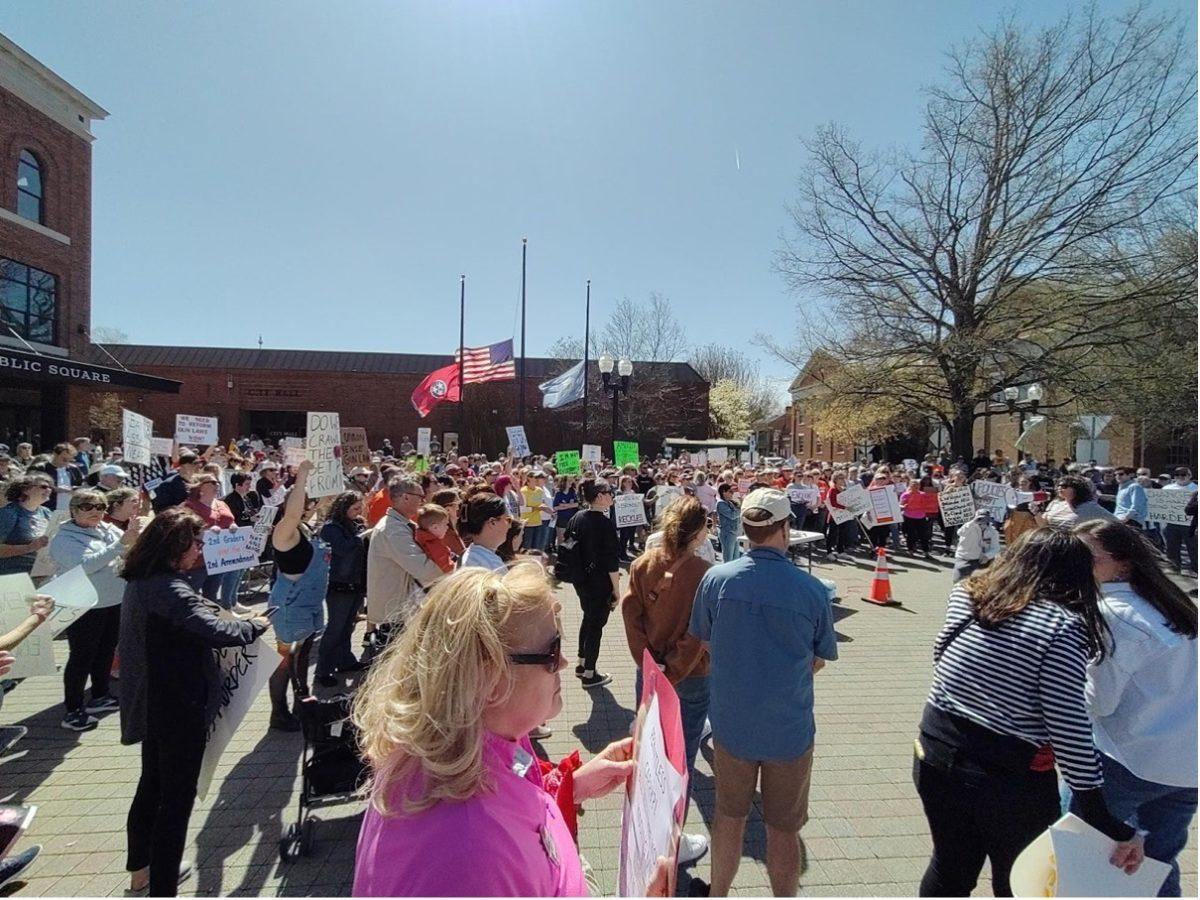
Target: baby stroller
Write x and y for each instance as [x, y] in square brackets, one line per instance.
[330, 767]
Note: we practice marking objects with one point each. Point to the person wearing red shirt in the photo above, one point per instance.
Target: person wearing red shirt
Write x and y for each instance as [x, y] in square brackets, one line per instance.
[919, 505]
[203, 500]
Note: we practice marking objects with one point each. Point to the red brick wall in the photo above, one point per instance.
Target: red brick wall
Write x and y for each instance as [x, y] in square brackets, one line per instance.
[381, 404]
[66, 161]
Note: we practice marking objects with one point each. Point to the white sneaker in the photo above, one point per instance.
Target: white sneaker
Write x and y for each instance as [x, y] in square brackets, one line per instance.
[240, 610]
[540, 733]
[691, 848]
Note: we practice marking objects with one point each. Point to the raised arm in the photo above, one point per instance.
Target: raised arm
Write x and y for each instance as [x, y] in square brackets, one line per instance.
[287, 530]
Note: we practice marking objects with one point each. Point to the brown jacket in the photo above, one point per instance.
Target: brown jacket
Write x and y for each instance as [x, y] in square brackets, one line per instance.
[661, 623]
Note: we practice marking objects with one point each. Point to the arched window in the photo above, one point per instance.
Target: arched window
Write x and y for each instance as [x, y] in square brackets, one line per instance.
[29, 188]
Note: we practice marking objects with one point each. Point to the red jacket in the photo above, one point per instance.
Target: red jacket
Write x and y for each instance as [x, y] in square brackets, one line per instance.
[919, 504]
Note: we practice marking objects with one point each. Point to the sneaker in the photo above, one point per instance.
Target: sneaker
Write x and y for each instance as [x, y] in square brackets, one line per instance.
[242, 610]
[579, 671]
[103, 705]
[540, 733]
[691, 848]
[185, 872]
[284, 721]
[595, 680]
[79, 721]
[12, 866]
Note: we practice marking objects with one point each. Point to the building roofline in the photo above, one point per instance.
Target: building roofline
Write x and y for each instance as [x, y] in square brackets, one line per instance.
[72, 98]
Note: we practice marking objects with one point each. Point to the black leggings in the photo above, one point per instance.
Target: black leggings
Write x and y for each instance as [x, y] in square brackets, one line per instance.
[974, 817]
[918, 533]
[334, 651]
[92, 641]
[594, 602]
[162, 806]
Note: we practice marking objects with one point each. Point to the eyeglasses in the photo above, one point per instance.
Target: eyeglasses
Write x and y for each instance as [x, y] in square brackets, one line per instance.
[605, 491]
[549, 659]
[89, 507]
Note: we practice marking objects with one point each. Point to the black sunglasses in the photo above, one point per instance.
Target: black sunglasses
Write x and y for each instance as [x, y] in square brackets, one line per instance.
[549, 659]
[88, 507]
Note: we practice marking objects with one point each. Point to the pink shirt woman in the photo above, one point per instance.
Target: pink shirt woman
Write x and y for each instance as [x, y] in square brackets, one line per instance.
[516, 827]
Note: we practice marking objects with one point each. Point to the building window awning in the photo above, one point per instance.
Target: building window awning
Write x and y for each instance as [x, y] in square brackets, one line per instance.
[686, 444]
[63, 370]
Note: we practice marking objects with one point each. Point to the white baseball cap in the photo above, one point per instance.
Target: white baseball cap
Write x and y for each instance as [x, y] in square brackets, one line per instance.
[773, 501]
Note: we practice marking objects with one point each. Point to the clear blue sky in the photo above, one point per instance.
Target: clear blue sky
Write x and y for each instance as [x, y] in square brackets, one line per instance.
[321, 173]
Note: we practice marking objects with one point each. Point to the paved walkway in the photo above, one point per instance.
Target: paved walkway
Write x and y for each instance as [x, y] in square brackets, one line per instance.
[866, 835]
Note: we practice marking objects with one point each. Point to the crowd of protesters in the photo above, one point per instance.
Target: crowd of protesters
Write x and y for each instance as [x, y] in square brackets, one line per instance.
[452, 562]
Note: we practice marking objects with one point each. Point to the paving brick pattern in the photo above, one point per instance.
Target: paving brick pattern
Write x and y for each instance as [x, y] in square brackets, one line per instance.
[866, 834]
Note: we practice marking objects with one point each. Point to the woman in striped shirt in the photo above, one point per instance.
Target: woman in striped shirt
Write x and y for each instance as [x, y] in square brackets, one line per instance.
[1008, 702]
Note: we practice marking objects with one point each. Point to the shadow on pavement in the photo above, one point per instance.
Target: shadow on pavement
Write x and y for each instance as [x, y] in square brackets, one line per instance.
[607, 721]
[35, 756]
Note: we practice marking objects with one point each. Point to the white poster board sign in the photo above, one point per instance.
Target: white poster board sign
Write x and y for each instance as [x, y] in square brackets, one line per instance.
[162, 446]
[803, 494]
[664, 497]
[700, 460]
[324, 444]
[838, 515]
[718, 455]
[630, 510]
[991, 490]
[423, 437]
[196, 431]
[244, 673]
[590, 453]
[43, 565]
[855, 498]
[355, 450]
[35, 654]
[1167, 506]
[648, 818]
[517, 441]
[884, 509]
[73, 593]
[958, 507]
[261, 530]
[136, 432]
[228, 550]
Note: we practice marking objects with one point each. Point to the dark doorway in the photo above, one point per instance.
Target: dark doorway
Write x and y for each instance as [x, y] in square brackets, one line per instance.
[273, 424]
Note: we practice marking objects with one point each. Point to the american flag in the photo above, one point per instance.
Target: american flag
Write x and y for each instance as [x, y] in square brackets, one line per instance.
[491, 363]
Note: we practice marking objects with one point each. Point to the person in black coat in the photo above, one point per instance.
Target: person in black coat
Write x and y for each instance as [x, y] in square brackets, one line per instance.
[242, 501]
[171, 690]
[343, 532]
[600, 558]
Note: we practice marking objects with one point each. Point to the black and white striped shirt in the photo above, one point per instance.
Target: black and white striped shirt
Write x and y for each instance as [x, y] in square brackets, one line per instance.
[1024, 677]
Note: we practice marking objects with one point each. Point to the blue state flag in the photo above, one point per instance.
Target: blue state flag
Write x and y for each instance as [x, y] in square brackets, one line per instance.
[563, 389]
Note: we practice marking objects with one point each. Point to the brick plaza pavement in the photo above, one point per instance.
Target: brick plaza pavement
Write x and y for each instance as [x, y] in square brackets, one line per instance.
[866, 835]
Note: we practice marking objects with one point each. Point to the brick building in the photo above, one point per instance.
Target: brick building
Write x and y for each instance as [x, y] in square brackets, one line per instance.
[46, 253]
[267, 392]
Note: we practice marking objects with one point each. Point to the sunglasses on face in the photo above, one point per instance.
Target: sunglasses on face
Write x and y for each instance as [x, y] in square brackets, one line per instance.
[549, 659]
[89, 507]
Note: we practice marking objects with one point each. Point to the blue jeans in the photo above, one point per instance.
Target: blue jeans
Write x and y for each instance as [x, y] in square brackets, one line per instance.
[534, 537]
[1161, 810]
[231, 582]
[693, 710]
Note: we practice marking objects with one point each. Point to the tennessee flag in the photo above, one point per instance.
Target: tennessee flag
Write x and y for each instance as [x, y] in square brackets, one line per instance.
[441, 384]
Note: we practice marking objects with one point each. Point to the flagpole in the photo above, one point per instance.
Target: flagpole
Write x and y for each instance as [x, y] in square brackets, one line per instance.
[521, 376]
[587, 321]
[462, 353]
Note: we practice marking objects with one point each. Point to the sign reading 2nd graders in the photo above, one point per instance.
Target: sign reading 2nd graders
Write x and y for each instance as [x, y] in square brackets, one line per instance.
[566, 462]
[323, 443]
[195, 431]
[228, 551]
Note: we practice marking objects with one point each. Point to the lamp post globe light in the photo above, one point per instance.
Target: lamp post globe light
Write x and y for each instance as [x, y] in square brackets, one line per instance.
[1020, 408]
[615, 387]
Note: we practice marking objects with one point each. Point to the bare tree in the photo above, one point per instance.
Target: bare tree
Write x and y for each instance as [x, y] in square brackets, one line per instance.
[646, 331]
[1010, 246]
[717, 363]
[107, 334]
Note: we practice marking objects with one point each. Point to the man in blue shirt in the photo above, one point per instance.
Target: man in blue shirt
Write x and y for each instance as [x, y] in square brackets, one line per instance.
[1132, 506]
[769, 630]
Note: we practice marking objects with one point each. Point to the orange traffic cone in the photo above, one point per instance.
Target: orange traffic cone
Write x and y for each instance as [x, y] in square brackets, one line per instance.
[881, 586]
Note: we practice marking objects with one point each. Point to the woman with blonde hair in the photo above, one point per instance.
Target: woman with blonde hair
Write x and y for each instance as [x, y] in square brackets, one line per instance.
[444, 719]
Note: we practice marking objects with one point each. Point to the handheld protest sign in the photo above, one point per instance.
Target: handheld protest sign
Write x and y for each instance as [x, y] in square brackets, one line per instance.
[518, 441]
[625, 453]
[656, 795]
[195, 431]
[566, 462]
[323, 445]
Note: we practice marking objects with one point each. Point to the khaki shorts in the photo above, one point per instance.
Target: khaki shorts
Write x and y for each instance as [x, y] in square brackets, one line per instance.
[784, 788]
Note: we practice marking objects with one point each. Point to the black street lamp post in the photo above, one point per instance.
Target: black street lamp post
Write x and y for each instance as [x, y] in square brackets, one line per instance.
[1019, 408]
[615, 387]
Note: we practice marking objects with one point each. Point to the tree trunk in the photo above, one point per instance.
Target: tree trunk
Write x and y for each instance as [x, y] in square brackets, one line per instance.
[962, 434]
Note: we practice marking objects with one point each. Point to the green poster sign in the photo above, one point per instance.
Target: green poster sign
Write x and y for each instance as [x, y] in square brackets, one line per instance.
[567, 462]
[419, 463]
[625, 453]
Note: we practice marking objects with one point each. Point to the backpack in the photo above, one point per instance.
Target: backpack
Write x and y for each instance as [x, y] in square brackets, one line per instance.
[568, 557]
